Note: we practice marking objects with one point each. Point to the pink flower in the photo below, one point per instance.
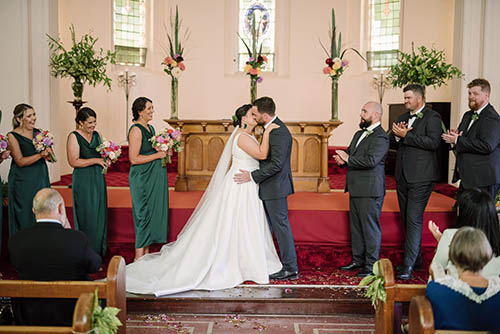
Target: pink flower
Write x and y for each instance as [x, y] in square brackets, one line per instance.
[181, 66]
[254, 71]
[345, 63]
[327, 70]
[160, 139]
[265, 58]
[259, 80]
[168, 60]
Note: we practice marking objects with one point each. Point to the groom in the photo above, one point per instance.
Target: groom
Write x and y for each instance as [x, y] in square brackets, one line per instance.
[275, 184]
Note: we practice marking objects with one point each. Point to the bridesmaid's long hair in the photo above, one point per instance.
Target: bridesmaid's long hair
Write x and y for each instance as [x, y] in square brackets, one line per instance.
[19, 113]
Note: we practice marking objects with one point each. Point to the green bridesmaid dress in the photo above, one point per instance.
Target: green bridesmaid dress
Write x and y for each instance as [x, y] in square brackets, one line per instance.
[24, 183]
[149, 192]
[90, 200]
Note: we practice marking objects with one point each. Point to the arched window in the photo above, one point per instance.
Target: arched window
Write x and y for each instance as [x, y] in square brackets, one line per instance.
[384, 22]
[265, 14]
[129, 27]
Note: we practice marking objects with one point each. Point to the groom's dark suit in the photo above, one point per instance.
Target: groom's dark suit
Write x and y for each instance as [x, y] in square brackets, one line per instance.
[478, 151]
[416, 171]
[48, 252]
[275, 183]
[365, 182]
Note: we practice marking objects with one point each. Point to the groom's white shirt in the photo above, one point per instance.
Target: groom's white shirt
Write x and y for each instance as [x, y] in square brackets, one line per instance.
[265, 127]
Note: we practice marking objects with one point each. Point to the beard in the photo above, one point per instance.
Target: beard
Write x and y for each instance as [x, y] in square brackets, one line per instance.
[473, 105]
[365, 123]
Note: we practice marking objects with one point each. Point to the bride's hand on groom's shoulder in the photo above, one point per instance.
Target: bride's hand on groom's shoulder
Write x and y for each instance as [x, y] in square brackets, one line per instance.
[272, 126]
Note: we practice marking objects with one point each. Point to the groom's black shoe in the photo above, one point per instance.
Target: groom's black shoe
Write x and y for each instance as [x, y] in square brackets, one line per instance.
[284, 275]
[351, 266]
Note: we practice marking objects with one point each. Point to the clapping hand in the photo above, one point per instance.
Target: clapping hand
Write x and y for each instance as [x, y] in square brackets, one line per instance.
[400, 129]
[451, 136]
[434, 229]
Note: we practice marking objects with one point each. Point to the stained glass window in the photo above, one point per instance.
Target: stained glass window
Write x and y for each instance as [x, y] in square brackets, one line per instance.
[264, 11]
[384, 31]
[129, 26]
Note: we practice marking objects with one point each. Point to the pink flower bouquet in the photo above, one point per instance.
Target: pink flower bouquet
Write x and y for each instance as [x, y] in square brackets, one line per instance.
[168, 139]
[45, 140]
[110, 152]
[3, 143]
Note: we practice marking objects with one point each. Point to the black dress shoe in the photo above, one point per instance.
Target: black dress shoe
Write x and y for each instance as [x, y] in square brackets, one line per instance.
[284, 275]
[351, 266]
[405, 273]
[365, 272]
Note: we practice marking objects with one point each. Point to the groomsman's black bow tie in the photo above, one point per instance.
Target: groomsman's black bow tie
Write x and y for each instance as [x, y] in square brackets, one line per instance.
[412, 116]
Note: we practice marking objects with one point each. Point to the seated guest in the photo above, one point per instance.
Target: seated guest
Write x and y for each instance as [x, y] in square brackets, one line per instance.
[50, 251]
[474, 208]
[471, 301]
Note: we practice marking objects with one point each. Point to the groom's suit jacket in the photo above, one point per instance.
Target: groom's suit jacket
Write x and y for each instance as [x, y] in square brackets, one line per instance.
[478, 150]
[274, 175]
[48, 252]
[365, 166]
[417, 152]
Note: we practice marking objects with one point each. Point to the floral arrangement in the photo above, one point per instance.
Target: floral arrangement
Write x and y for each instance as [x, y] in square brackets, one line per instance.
[173, 63]
[376, 288]
[256, 61]
[168, 139]
[109, 151]
[3, 143]
[335, 63]
[497, 202]
[104, 319]
[45, 140]
[81, 62]
[427, 68]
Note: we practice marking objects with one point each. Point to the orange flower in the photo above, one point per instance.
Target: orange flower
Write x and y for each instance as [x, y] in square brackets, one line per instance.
[254, 71]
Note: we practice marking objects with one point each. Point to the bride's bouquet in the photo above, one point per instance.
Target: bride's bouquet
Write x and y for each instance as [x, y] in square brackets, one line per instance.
[109, 151]
[45, 140]
[167, 139]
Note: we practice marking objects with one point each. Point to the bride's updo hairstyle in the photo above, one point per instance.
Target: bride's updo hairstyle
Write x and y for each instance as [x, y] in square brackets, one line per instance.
[239, 113]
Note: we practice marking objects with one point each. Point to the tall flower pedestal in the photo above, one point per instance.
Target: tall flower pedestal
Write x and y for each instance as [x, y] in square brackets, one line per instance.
[173, 99]
[253, 89]
[335, 100]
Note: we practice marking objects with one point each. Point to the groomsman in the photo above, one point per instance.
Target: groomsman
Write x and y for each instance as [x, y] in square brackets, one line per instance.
[418, 134]
[365, 182]
[477, 142]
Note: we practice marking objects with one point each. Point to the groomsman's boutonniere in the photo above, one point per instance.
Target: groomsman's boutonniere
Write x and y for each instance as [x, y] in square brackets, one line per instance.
[420, 114]
[475, 116]
[368, 132]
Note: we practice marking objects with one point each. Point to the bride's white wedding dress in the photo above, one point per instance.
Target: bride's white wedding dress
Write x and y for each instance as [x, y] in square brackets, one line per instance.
[225, 242]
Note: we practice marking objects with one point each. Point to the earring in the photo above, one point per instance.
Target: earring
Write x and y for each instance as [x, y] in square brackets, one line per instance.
[245, 126]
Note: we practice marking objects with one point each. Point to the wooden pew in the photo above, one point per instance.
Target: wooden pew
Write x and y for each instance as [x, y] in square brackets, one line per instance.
[112, 290]
[422, 319]
[384, 313]
[82, 320]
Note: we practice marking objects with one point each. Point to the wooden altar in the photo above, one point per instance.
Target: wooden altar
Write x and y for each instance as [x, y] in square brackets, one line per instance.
[204, 140]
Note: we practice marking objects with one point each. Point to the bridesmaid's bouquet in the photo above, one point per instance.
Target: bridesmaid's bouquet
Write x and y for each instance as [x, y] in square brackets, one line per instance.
[109, 151]
[3, 144]
[167, 139]
[45, 140]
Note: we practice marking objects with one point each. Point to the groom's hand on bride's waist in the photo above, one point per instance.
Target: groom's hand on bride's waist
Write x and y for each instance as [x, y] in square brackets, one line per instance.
[242, 177]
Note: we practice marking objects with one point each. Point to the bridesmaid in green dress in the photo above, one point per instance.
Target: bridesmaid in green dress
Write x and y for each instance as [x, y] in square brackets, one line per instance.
[90, 201]
[148, 181]
[28, 171]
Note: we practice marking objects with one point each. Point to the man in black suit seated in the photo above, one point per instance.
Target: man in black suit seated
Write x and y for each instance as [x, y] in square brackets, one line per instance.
[365, 182]
[418, 135]
[477, 142]
[50, 251]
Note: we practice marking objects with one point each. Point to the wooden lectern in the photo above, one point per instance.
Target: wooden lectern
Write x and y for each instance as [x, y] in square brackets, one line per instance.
[204, 140]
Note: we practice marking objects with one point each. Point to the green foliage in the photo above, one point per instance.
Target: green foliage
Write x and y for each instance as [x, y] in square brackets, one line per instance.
[174, 43]
[81, 62]
[427, 68]
[376, 289]
[105, 320]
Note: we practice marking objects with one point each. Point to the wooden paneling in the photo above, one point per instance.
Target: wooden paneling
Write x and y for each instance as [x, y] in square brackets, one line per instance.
[204, 140]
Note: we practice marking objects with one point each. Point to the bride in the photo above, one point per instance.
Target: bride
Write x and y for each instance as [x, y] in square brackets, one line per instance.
[227, 240]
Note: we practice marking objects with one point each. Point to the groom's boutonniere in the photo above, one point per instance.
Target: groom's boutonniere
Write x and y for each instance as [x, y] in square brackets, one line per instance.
[420, 114]
[475, 116]
[368, 132]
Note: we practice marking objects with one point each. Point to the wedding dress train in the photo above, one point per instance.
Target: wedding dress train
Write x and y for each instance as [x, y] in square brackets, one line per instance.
[225, 242]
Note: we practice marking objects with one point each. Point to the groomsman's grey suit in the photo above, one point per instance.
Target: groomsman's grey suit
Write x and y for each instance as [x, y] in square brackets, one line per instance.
[275, 183]
[478, 151]
[416, 171]
[365, 183]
